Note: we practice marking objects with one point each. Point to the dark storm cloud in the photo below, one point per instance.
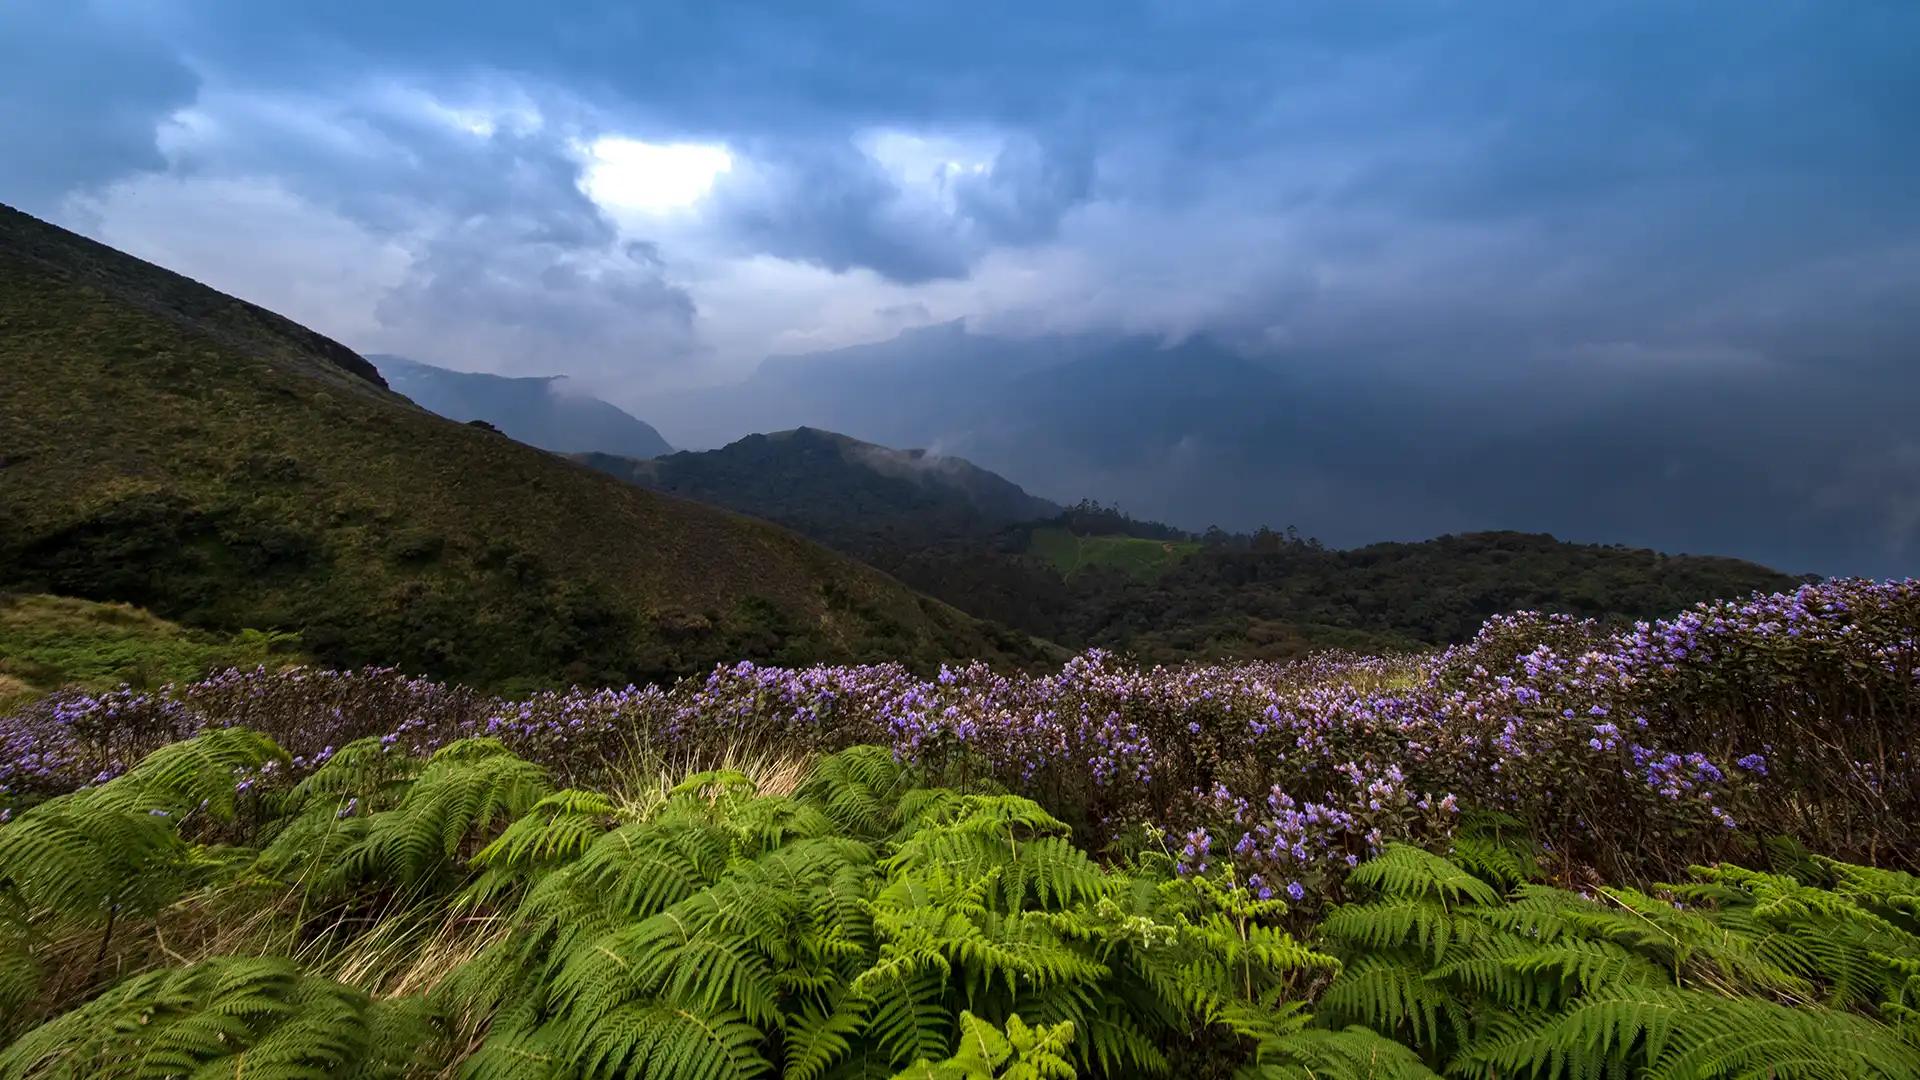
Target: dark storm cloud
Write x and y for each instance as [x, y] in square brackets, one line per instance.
[1021, 197]
[80, 96]
[835, 207]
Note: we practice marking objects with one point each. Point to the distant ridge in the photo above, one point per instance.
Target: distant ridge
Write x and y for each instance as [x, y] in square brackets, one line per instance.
[165, 445]
[846, 493]
[541, 411]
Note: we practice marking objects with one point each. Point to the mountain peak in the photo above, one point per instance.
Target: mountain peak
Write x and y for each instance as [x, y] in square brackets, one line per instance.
[839, 489]
[548, 411]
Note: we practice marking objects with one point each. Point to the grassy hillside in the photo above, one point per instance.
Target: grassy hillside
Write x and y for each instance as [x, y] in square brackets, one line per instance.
[167, 446]
[1135, 556]
[1088, 575]
[47, 642]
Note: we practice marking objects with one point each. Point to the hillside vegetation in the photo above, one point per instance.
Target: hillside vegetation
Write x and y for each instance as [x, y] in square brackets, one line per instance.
[1088, 575]
[871, 501]
[1559, 851]
[1269, 595]
[167, 446]
[50, 642]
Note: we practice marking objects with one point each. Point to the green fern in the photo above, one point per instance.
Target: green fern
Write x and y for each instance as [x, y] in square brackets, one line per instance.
[465, 792]
[986, 1053]
[234, 1016]
[554, 832]
[1355, 1053]
[867, 924]
[1550, 983]
[1665, 1032]
[859, 788]
[1406, 872]
[116, 849]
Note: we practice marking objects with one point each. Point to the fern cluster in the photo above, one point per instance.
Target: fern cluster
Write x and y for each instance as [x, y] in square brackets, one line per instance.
[1741, 974]
[869, 925]
[96, 858]
[861, 926]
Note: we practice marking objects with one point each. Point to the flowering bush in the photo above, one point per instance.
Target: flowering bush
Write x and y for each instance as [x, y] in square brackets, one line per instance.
[1636, 751]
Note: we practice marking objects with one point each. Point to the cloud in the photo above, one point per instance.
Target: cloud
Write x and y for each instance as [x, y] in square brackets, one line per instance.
[1022, 196]
[443, 223]
[499, 294]
[836, 207]
[83, 94]
[187, 224]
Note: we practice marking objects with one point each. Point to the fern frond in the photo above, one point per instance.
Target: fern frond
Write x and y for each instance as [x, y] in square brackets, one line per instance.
[1504, 861]
[818, 1038]
[1684, 1034]
[908, 1018]
[556, 830]
[1393, 995]
[466, 791]
[233, 1016]
[658, 1039]
[985, 1053]
[368, 771]
[858, 788]
[82, 856]
[1418, 922]
[1354, 1053]
[1406, 872]
[196, 775]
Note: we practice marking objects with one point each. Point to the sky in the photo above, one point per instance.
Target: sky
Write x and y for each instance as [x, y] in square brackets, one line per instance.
[1553, 202]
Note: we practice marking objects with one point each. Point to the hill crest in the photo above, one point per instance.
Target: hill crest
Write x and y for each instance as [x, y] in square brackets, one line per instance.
[843, 491]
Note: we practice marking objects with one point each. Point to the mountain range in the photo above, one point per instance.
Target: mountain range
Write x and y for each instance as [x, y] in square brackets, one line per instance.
[547, 411]
[1088, 575]
[1355, 449]
[166, 445]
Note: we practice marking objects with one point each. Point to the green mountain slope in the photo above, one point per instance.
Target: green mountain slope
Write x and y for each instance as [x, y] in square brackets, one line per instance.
[165, 445]
[851, 495]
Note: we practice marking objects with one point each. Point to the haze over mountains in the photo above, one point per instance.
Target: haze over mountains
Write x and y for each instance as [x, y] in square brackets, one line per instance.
[1087, 576]
[1620, 272]
[544, 411]
[1363, 449]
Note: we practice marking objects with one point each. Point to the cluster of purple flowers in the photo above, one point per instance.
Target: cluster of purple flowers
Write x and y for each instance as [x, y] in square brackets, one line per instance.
[1289, 771]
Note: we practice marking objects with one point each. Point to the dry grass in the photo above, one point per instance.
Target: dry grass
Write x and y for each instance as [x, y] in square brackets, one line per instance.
[15, 692]
[407, 952]
[645, 774]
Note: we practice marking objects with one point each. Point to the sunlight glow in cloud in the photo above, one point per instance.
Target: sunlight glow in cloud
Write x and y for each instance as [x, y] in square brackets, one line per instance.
[928, 162]
[628, 174]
